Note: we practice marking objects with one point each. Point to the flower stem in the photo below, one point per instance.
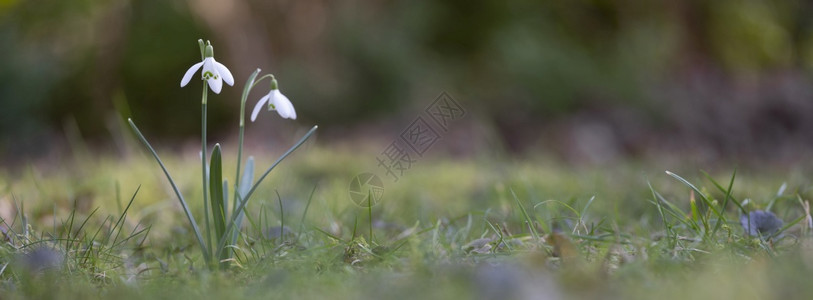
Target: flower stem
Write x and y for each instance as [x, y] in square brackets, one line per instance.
[246, 91]
[261, 79]
[205, 188]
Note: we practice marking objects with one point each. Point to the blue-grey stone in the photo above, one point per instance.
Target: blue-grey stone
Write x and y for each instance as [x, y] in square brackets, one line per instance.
[760, 222]
[42, 259]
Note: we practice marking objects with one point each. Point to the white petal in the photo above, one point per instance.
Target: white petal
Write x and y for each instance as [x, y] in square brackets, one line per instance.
[283, 105]
[188, 76]
[215, 81]
[209, 65]
[225, 73]
[289, 111]
[258, 106]
[215, 84]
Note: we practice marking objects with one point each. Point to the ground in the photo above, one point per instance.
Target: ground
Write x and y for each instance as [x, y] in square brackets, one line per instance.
[477, 227]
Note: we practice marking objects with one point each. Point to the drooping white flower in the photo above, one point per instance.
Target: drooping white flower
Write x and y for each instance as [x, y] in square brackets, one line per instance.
[276, 101]
[213, 72]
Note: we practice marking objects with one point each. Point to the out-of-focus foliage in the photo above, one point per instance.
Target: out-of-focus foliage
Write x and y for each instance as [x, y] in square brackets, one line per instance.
[78, 61]
[514, 63]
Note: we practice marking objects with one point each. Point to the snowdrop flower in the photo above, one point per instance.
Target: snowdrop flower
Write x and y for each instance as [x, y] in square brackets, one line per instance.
[213, 72]
[276, 101]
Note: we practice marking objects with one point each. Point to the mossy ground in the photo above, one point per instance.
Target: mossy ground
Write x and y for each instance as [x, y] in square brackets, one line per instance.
[448, 228]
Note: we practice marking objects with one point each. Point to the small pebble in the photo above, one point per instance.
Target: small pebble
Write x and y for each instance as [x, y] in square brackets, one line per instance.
[41, 259]
[761, 223]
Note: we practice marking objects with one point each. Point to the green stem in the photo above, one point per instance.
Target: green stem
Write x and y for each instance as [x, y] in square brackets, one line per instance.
[205, 189]
[246, 90]
[261, 79]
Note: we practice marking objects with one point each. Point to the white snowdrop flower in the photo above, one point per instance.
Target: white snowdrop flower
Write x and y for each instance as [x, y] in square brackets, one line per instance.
[213, 72]
[276, 101]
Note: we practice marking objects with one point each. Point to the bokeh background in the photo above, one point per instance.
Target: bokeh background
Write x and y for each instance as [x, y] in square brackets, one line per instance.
[585, 80]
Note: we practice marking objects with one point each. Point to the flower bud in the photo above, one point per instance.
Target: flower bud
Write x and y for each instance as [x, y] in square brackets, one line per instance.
[274, 85]
[209, 52]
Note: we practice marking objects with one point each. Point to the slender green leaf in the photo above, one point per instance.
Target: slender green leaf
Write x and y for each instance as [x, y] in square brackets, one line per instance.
[248, 176]
[120, 223]
[225, 198]
[216, 192]
[329, 235]
[185, 207]
[789, 225]
[370, 212]
[660, 212]
[245, 185]
[699, 193]
[696, 215]
[526, 216]
[676, 212]
[729, 196]
[281, 217]
[302, 220]
[245, 199]
[725, 202]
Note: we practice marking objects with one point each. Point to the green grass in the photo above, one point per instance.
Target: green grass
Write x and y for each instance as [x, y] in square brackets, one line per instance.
[464, 228]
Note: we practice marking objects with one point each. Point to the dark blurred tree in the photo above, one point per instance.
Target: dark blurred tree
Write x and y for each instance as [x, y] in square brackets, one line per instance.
[68, 60]
[515, 63]
[161, 46]
[37, 38]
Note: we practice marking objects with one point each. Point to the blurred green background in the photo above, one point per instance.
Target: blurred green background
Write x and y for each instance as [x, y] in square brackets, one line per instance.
[584, 79]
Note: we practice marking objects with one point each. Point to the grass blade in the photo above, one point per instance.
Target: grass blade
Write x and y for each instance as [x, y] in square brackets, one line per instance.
[699, 193]
[677, 213]
[281, 217]
[789, 225]
[725, 202]
[727, 191]
[660, 212]
[302, 220]
[526, 216]
[120, 223]
[370, 212]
